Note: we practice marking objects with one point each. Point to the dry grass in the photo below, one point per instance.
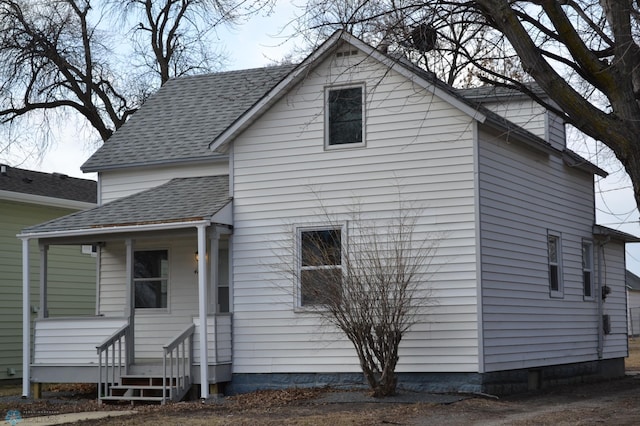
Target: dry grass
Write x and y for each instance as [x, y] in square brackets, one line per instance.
[582, 405]
[11, 389]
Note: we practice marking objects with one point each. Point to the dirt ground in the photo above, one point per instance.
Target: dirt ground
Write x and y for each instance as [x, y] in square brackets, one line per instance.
[615, 402]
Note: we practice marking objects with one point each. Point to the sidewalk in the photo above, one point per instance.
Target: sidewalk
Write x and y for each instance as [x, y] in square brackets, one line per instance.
[14, 418]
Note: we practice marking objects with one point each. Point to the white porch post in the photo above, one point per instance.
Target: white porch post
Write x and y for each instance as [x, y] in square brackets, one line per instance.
[26, 321]
[44, 304]
[203, 302]
[130, 301]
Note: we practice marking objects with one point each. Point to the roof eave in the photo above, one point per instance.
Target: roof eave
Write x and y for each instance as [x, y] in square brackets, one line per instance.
[188, 160]
[41, 200]
[273, 95]
[523, 136]
[603, 231]
[319, 55]
[116, 229]
[572, 159]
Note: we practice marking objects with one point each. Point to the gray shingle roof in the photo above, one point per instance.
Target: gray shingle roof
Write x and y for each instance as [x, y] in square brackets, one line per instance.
[179, 200]
[54, 185]
[183, 117]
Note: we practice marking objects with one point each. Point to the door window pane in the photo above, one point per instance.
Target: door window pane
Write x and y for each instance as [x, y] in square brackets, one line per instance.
[151, 278]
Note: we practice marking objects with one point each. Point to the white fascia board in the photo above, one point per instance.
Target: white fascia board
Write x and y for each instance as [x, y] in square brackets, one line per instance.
[224, 216]
[45, 201]
[114, 230]
[410, 75]
[275, 94]
[318, 55]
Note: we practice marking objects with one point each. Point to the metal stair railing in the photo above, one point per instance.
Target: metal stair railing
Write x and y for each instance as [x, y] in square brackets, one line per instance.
[177, 359]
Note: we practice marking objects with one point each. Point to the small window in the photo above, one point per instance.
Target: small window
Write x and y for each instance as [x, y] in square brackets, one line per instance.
[320, 263]
[223, 280]
[151, 278]
[555, 264]
[345, 116]
[587, 269]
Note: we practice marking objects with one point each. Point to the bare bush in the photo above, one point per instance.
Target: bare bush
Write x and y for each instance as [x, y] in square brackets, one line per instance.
[370, 284]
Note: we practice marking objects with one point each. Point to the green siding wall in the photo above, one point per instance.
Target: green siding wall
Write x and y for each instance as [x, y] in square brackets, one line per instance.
[71, 279]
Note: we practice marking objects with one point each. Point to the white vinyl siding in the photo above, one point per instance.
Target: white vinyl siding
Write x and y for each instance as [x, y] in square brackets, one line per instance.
[612, 266]
[522, 195]
[527, 114]
[283, 177]
[121, 183]
[219, 340]
[524, 112]
[633, 306]
[72, 341]
[556, 131]
[153, 328]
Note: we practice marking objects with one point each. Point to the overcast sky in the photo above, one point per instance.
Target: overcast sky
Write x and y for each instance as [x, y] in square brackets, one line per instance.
[262, 41]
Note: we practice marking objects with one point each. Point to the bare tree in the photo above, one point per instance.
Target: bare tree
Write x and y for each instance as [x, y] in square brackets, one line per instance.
[583, 54]
[52, 57]
[65, 56]
[173, 37]
[371, 285]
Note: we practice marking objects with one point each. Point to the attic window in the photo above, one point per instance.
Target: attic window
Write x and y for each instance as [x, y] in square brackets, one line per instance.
[346, 53]
[344, 116]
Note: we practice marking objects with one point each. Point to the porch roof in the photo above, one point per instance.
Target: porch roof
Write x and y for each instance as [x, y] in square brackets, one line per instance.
[180, 200]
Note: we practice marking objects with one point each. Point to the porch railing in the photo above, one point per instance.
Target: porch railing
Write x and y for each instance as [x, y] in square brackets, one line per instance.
[112, 359]
[176, 365]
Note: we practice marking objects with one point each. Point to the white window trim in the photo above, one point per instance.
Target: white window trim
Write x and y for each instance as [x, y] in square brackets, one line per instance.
[362, 144]
[592, 270]
[214, 303]
[297, 285]
[153, 311]
[560, 292]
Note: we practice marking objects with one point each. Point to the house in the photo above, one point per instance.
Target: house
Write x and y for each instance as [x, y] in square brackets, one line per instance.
[27, 198]
[633, 303]
[215, 175]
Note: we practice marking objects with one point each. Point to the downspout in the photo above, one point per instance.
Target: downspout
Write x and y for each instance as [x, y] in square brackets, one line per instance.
[26, 322]
[203, 302]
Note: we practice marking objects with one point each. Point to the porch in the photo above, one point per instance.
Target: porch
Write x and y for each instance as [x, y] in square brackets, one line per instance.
[96, 349]
[163, 259]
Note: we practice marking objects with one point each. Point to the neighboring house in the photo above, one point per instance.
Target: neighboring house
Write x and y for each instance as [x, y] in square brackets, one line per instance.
[28, 198]
[206, 186]
[633, 303]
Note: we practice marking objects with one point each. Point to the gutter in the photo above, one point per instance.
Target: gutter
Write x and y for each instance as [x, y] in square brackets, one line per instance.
[151, 164]
[114, 229]
[42, 200]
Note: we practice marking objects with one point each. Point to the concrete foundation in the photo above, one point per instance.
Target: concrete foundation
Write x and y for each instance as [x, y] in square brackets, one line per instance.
[496, 383]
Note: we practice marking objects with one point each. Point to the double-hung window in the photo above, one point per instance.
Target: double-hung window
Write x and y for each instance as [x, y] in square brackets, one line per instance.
[344, 116]
[554, 250]
[320, 266]
[151, 278]
[587, 269]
